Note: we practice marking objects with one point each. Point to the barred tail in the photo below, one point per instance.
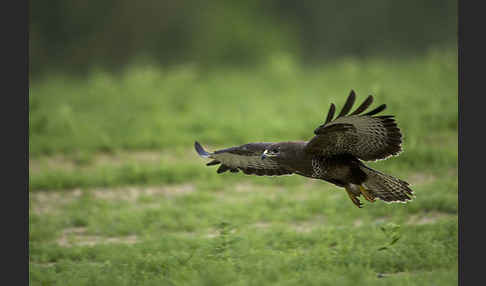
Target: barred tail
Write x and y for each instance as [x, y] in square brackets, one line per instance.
[386, 187]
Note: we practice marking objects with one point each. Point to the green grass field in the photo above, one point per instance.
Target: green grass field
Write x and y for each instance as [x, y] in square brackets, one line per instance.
[118, 196]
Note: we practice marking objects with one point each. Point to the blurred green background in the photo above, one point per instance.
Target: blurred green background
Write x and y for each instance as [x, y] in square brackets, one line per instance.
[76, 36]
[120, 90]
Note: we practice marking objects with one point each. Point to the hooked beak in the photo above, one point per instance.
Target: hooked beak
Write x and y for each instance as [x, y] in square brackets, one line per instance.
[264, 154]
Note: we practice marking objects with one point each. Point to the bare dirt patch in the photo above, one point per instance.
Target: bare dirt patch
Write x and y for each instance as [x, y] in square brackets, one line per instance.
[77, 162]
[147, 156]
[51, 162]
[416, 219]
[245, 192]
[44, 202]
[421, 178]
[358, 223]
[298, 226]
[309, 225]
[244, 188]
[77, 237]
[47, 264]
[132, 194]
[48, 202]
[213, 233]
[385, 275]
[428, 218]
[262, 225]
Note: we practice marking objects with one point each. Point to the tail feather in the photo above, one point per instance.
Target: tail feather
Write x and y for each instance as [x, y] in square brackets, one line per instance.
[386, 187]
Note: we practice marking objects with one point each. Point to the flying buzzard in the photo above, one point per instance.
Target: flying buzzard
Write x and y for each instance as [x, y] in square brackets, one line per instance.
[334, 154]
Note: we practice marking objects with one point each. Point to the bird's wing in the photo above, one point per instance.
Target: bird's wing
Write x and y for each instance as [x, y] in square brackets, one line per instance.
[246, 158]
[365, 136]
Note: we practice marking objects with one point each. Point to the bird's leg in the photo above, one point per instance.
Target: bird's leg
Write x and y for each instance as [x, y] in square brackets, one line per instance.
[368, 196]
[354, 198]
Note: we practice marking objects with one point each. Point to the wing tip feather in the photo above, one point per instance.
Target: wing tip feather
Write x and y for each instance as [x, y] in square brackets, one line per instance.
[364, 105]
[348, 104]
[376, 110]
[330, 113]
[200, 150]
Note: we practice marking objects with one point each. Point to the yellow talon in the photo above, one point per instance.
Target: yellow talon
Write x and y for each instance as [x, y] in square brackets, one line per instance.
[368, 196]
[353, 198]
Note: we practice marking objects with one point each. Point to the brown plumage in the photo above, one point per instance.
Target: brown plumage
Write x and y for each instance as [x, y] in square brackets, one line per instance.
[334, 154]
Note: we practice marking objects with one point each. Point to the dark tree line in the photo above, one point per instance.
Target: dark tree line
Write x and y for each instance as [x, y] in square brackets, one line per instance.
[77, 35]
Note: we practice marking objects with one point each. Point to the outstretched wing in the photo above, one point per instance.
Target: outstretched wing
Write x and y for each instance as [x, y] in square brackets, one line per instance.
[246, 158]
[365, 136]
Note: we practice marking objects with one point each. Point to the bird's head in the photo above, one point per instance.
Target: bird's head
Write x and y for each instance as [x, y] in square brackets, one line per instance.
[274, 151]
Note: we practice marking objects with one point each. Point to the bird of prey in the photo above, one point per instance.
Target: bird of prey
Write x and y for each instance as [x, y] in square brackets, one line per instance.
[335, 154]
